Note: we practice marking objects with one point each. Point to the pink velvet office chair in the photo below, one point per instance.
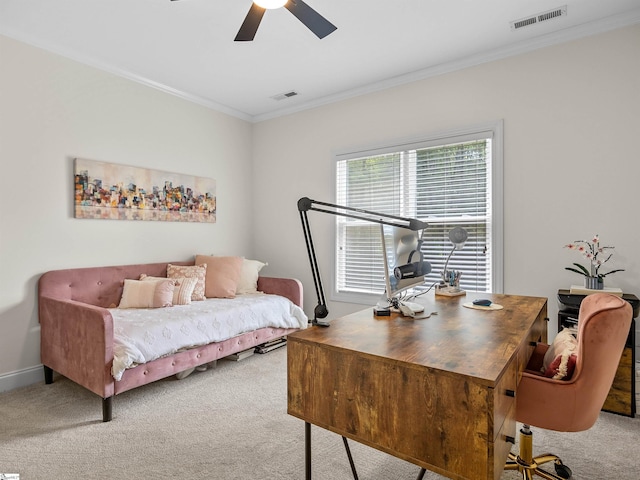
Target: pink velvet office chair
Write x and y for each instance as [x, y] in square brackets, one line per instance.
[571, 405]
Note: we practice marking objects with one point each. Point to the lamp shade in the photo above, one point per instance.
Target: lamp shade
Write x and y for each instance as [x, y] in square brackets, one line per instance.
[270, 4]
[458, 236]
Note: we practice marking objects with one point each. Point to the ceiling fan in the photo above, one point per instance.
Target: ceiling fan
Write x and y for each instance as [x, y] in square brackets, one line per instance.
[315, 22]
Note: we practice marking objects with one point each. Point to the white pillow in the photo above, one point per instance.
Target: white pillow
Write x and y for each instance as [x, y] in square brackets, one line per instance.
[182, 290]
[137, 294]
[248, 282]
[563, 346]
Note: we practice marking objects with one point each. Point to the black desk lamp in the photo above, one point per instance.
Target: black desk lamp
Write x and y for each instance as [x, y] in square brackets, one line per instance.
[305, 204]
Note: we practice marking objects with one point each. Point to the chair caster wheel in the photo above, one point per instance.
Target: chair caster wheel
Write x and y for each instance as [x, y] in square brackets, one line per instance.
[562, 470]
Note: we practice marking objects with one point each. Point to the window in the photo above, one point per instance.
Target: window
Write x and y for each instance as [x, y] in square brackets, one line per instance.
[447, 180]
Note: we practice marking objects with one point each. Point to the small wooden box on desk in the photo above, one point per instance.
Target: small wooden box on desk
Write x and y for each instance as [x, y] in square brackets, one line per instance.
[622, 396]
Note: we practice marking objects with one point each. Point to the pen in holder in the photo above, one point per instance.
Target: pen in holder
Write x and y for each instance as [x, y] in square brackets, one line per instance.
[450, 284]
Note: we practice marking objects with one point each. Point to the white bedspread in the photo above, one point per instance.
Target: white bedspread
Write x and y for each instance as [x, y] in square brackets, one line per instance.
[142, 335]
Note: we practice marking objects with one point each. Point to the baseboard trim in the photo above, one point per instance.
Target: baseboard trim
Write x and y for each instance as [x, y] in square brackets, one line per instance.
[21, 378]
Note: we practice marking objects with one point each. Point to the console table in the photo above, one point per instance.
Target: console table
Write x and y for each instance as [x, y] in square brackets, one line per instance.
[438, 392]
[622, 396]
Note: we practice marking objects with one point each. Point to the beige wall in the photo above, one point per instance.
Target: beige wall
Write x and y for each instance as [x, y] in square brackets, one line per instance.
[52, 110]
[571, 122]
[571, 167]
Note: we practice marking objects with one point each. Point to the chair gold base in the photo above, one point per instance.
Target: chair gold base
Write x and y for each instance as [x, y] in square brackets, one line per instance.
[528, 465]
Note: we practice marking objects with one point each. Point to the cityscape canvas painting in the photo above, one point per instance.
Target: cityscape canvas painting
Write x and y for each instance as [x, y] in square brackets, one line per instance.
[118, 192]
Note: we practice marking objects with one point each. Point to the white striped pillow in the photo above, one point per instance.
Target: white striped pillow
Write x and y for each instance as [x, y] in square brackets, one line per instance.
[182, 290]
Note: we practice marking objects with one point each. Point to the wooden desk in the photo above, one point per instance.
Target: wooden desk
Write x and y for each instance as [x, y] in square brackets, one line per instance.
[434, 392]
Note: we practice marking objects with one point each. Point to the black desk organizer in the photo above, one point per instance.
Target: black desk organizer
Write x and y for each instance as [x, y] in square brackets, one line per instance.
[622, 396]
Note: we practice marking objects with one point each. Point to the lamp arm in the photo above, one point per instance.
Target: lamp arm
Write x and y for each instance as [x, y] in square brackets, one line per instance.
[321, 308]
[446, 263]
[305, 204]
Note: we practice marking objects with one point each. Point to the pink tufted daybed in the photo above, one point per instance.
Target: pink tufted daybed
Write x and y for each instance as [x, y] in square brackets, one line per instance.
[77, 330]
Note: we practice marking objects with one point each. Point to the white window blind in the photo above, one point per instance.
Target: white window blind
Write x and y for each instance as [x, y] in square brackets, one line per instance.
[446, 182]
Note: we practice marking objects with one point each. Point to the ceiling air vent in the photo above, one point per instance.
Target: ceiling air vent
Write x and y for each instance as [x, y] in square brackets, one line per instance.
[539, 18]
[282, 96]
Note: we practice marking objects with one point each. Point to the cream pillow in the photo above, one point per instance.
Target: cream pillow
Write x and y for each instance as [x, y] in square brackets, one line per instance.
[222, 275]
[248, 282]
[182, 290]
[137, 294]
[559, 359]
[198, 271]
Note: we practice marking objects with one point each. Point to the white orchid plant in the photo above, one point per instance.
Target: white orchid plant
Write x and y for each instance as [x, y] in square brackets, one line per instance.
[595, 254]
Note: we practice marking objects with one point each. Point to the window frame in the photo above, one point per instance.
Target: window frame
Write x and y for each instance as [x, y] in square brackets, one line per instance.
[493, 130]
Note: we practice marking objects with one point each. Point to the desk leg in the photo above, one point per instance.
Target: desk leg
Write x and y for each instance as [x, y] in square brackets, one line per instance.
[353, 465]
[307, 450]
[307, 455]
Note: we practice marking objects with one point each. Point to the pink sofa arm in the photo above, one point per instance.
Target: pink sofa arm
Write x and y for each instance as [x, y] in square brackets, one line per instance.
[76, 340]
[290, 288]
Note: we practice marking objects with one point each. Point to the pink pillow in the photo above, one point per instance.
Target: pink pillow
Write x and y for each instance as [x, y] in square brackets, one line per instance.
[223, 273]
[197, 271]
[138, 294]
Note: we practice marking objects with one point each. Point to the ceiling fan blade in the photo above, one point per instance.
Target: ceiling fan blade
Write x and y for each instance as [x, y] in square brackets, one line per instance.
[250, 25]
[312, 19]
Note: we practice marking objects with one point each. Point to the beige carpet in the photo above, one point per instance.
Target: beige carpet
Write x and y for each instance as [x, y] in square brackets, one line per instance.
[231, 423]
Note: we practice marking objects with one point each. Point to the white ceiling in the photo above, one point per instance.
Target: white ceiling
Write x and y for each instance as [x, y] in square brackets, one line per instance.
[186, 47]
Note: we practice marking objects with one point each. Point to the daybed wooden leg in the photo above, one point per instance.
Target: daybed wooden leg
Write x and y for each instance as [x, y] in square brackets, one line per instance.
[107, 409]
[48, 375]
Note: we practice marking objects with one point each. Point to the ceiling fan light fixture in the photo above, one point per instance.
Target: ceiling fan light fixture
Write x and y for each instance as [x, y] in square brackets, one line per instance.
[320, 26]
[270, 4]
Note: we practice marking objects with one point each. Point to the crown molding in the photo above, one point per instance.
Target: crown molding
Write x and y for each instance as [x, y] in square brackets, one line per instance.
[108, 68]
[517, 48]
